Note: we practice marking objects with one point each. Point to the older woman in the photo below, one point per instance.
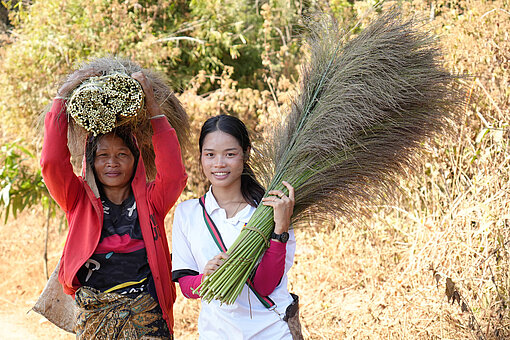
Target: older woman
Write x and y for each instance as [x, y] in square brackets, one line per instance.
[116, 261]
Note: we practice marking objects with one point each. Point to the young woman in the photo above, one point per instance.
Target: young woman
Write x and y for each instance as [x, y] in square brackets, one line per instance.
[231, 200]
[116, 261]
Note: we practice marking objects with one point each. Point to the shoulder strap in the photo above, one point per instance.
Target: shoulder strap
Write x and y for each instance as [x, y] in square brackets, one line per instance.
[215, 233]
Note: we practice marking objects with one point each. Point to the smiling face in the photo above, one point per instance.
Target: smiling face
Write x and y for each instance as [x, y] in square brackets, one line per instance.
[222, 160]
[113, 163]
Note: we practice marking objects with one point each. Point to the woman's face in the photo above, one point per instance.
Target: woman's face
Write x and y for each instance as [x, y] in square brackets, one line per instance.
[113, 162]
[222, 160]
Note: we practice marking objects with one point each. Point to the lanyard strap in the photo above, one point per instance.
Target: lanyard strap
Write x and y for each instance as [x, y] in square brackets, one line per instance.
[215, 233]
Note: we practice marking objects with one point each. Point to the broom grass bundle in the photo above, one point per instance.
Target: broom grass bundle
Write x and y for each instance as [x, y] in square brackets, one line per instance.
[124, 93]
[102, 103]
[365, 107]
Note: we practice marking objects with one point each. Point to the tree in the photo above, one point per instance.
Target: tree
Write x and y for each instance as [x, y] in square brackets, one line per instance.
[22, 187]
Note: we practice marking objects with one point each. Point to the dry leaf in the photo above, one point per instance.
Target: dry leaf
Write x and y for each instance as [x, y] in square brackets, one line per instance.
[450, 288]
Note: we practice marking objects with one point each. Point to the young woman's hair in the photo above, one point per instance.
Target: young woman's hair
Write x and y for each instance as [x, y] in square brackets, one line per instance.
[93, 141]
[250, 188]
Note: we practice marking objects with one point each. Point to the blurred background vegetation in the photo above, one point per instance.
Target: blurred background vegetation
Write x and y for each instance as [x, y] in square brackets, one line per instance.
[445, 239]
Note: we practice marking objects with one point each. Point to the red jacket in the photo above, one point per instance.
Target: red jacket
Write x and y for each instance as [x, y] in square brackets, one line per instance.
[84, 210]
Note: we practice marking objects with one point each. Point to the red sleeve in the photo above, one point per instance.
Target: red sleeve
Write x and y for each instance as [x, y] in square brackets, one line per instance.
[171, 176]
[57, 170]
[271, 268]
[190, 283]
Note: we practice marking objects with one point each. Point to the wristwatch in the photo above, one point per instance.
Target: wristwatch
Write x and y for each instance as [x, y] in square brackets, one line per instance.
[283, 237]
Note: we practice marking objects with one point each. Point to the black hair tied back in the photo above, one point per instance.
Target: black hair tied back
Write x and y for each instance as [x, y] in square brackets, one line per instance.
[251, 189]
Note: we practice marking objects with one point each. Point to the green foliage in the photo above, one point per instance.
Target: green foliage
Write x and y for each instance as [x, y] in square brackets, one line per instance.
[223, 33]
[20, 186]
[343, 10]
[15, 9]
[179, 38]
[229, 44]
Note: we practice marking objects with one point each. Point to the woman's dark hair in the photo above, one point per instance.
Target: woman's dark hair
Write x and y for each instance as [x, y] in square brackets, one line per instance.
[93, 141]
[250, 188]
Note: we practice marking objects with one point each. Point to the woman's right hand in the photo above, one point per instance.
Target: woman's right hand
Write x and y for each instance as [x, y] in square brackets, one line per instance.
[213, 264]
[74, 80]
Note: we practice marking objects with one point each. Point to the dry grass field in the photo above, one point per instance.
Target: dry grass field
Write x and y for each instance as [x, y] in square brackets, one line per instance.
[433, 264]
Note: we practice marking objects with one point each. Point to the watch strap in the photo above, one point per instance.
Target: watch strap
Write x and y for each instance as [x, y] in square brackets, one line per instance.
[283, 237]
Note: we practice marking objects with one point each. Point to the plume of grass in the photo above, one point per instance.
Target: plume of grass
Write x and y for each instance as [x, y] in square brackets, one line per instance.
[365, 107]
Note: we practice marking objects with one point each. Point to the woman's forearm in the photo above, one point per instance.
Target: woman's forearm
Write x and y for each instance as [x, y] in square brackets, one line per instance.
[171, 175]
[55, 161]
[188, 284]
[271, 268]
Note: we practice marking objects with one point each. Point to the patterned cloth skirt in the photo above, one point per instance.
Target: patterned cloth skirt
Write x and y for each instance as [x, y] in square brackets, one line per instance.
[108, 316]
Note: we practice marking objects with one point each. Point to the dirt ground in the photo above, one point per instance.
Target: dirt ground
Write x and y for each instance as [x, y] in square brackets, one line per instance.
[354, 282]
[23, 278]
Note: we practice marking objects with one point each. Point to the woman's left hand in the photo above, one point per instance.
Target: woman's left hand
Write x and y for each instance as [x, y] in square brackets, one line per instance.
[153, 108]
[74, 80]
[283, 207]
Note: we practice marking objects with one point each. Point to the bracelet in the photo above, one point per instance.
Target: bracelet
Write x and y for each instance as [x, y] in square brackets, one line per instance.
[60, 97]
[157, 116]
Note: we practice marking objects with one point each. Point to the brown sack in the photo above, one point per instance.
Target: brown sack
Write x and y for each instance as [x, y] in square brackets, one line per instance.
[56, 306]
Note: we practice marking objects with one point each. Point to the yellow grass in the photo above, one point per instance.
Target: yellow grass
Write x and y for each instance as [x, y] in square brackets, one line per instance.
[386, 277]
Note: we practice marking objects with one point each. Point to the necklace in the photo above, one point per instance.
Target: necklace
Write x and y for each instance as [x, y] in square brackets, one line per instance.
[237, 209]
